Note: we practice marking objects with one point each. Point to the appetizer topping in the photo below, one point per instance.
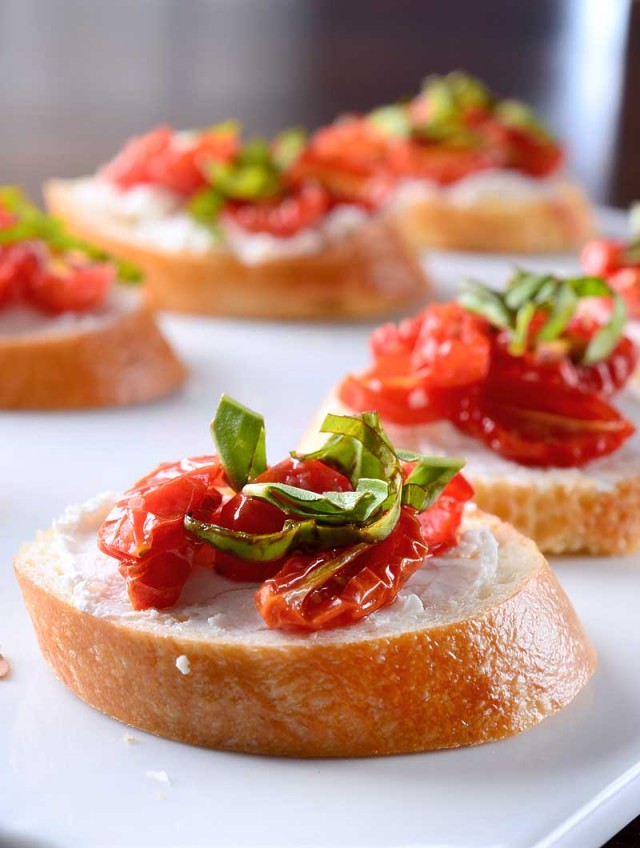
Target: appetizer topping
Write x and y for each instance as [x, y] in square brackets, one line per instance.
[171, 160]
[619, 263]
[254, 191]
[330, 536]
[456, 126]
[43, 265]
[527, 372]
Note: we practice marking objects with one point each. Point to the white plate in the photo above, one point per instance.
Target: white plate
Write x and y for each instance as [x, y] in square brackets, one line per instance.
[68, 777]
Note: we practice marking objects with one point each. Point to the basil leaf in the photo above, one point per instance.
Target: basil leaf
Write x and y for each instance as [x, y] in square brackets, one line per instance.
[524, 287]
[287, 146]
[520, 334]
[329, 507]
[562, 311]
[239, 437]
[393, 120]
[604, 341]
[515, 113]
[205, 206]
[425, 483]
[480, 300]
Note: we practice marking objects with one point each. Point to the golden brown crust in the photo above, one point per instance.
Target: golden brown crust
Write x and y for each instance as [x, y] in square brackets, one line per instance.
[371, 272]
[470, 681]
[567, 519]
[121, 360]
[560, 222]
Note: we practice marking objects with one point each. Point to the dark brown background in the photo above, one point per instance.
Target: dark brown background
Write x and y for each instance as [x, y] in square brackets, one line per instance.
[78, 76]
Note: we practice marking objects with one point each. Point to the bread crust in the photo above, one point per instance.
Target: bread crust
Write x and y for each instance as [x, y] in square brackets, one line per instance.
[122, 360]
[372, 271]
[470, 681]
[563, 221]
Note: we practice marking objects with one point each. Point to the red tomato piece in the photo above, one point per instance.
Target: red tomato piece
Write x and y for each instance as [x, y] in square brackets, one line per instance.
[283, 216]
[601, 256]
[20, 264]
[162, 158]
[157, 580]
[440, 523]
[626, 281]
[527, 423]
[254, 516]
[74, 288]
[308, 595]
[439, 162]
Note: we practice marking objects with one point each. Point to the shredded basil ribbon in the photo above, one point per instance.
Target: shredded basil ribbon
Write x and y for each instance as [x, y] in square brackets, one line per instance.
[528, 293]
[32, 224]
[254, 174]
[359, 448]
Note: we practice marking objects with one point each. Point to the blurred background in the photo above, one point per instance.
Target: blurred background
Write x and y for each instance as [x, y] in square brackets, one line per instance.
[79, 76]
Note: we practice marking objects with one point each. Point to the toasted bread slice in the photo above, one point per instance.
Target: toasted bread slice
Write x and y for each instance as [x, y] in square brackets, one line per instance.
[113, 357]
[477, 646]
[559, 221]
[594, 510]
[371, 271]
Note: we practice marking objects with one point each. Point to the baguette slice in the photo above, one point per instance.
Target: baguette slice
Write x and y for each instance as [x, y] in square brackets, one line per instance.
[477, 647]
[593, 510]
[556, 222]
[116, 357]
[372, 271]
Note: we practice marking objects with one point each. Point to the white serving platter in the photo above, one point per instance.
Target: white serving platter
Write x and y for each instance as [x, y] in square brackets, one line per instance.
[70, 779]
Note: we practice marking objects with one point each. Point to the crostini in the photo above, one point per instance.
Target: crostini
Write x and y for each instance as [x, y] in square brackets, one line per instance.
[71, 333]
[223, 228]
[478, 173]
[533, 387]
[343, 603]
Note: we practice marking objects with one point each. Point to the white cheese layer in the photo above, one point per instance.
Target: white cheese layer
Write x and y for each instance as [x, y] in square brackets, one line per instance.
[23, 320]
[224, 609]
[152, 216]
[507, 186]
[441, 437]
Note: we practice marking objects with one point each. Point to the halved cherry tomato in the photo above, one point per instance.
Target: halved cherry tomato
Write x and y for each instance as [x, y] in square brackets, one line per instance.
[254, 516]
[535, 424]
[439, 162]
[421, 365]
[20, 264]
[145, 529]
[309, 593]
[74, 287]
[441, 521]
[601, 256]
[282, 216]
[349, 159]
[626, 281]
[162, 158]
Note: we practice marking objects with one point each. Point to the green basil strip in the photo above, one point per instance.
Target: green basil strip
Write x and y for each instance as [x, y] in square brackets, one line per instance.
[327, 508]
[205, 206]
[256, 547]
[604, 341]
[393, 120]
[562, 310]
[482, 301]
[425, 483]
[340, 452]
[520, 334]
[287, 146]
[524, 287]
[239, 437]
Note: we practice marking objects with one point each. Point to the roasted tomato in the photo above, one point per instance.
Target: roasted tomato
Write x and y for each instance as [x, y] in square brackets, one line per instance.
[254, 516]
[282, 216]
[438, 162]
[70, 286]
[349, 159]
[20, 264]
[421, 365]
[537, 424]
[600, 257]
[145, 529]
[441, 521]
[626, 281]
[333, 588]
[167, 159]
